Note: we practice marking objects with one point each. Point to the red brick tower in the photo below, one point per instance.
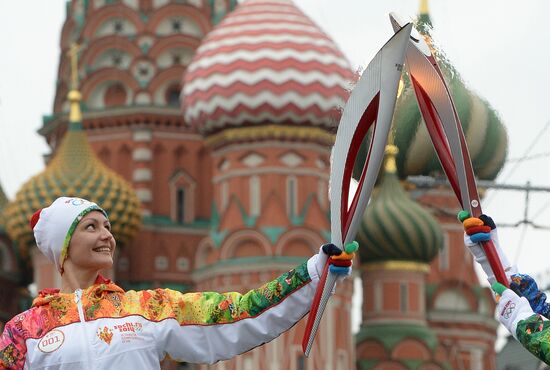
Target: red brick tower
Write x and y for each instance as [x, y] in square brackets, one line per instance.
[263, 89]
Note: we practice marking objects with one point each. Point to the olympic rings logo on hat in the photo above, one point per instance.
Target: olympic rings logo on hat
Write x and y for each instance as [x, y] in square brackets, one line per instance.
[76, 201]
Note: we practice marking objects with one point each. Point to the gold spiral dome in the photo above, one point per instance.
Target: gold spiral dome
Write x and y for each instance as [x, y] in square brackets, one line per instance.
[75, 170]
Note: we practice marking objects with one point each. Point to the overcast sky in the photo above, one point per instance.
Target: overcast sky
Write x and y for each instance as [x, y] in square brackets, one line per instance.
[500, 47]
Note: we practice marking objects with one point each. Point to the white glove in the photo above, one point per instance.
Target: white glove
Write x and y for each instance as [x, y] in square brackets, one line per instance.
[511, 309]
[479, 255]
[316, 264]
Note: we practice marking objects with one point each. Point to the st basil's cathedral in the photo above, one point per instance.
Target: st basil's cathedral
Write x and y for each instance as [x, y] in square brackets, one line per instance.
[204, 128]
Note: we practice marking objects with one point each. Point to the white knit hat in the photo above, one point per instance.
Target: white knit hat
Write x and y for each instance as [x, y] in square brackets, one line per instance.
[54, 226]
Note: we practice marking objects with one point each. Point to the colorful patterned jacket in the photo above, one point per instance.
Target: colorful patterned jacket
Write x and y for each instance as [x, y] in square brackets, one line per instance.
[534, 334]
[104, 327]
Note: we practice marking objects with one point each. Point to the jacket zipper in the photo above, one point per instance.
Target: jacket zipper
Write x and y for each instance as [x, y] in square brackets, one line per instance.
[83, 334]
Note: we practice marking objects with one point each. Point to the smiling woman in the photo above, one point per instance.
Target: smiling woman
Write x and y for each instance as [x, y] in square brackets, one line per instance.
[92, 249]
[92, 321]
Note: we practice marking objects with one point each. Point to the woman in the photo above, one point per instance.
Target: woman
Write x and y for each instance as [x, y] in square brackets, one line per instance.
[523, 309]
[93, 323]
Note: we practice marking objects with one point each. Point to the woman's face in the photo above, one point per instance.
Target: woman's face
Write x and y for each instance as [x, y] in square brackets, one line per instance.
[92, 245]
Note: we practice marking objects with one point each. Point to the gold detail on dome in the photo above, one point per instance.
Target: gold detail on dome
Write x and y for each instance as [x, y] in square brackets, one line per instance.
[75, 115]
[397, 265]
[74, 95]
[270, 132]
[390, 164]
[73, 56]
[424, 8]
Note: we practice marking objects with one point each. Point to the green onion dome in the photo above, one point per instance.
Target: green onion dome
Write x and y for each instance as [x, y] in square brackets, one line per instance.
[394, 227]
[485, 134]
[76, 171]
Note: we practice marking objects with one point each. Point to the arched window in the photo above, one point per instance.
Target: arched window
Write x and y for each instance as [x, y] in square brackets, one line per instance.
[180, 205]
[115, 95]
[172, 95]
[182, 189]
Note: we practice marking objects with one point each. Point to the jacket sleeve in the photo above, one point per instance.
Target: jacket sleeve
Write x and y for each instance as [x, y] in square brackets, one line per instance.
[208, 327]
[12, 347]
[534, 334]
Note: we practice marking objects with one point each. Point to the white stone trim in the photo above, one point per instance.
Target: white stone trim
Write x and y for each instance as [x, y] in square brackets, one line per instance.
[142, 154]
[142, 174]
[144, 194]
[142, 135]
[271, 170]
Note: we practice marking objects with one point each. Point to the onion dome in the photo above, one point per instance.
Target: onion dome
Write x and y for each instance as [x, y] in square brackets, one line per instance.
[74, 171]
[485, 134]
[394, 227]
[266, 63]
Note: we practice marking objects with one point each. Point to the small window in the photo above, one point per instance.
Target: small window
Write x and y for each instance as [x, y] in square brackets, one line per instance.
[224, 195]
[404, 297]
[161, 263]
[118, 26]
[116, 59]
[176, 59]
[180, 205]
[177, 25]
[255, 202]
[173, 96]
[182, 264]
[292, 196]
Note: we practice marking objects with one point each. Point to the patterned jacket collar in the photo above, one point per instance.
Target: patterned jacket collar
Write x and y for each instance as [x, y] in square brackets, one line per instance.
[101, 284]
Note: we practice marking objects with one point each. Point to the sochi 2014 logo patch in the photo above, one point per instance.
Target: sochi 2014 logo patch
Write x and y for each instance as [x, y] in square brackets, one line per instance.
[105, 335]
[51, 341]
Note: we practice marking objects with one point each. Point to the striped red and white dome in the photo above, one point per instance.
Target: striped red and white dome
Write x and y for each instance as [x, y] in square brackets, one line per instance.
[266, 63]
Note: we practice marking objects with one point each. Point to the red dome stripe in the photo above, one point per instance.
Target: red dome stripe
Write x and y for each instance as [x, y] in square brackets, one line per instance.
[272, 46]
[252, 102]
[256, 32]
[264, 38]
[288, 114]
[270, 64]
[265, 27]
[326, 92]
[252, 78]
[277, 56]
